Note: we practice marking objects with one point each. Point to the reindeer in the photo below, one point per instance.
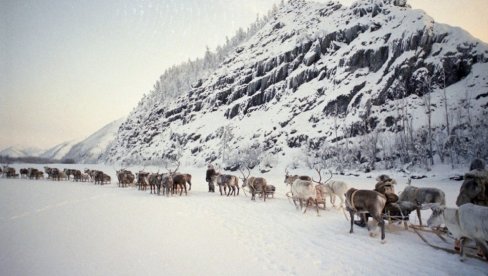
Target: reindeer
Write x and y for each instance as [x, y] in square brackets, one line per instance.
[69, 173]
[125, 177]
[39, 174]
[85, 177]
[98, 177]
[76, 175]
[179, 183]
[91, 174]
[179, 180]
[330, 187]
[187, 178]
[9, 172]
[55, 174]
[49, 172]
[420, 196]
[101, 178]
[23, 172]
[256, 184]
[228, 181]
[142, 180]
[166, 184]
[155, 182]
[32, 173]
[469, 221]
[290, 178]
[304, 191]
[366, 201]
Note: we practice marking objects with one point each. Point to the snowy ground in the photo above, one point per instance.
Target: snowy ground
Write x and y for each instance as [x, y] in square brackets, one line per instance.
[68, 228]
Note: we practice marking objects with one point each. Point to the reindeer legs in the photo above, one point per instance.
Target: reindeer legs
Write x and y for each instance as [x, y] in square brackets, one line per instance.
[381, 223]
[351, 214]
[418, 215]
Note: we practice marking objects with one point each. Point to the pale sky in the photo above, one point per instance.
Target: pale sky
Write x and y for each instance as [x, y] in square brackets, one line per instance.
[67, 67]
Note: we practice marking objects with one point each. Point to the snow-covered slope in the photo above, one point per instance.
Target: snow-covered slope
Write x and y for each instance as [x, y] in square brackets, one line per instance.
[90, 149]
[315, 74]
[58, 151]
[16, 151]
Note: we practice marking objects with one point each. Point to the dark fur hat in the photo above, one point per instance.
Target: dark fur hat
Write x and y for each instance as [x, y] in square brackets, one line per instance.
[385, 178]
[477, 164]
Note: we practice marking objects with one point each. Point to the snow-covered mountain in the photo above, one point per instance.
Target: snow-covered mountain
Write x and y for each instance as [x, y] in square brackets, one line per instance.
[320, 75]
[90, 149]
[58, 151]
[16, 151]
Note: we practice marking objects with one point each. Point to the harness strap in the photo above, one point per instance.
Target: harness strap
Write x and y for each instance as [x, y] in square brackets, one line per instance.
[415, 194]
[352, 200]
[457, 217]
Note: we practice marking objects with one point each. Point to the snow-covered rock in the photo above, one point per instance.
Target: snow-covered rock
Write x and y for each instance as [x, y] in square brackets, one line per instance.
[313, 66]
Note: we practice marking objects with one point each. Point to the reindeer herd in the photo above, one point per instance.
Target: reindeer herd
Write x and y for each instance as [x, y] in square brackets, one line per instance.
[468, 222]
[381, 203]
[169, 183]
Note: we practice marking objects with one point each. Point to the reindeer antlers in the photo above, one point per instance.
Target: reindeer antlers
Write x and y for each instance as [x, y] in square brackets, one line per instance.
[174, 171]
[319, 172]
[242, 172]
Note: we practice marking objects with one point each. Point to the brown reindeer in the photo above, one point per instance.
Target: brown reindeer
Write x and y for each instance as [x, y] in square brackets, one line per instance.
[166, 184]
[125, 177]
[227, 181]
[179, 183]
[23, 172]
[34, 173]
[55, 174]
[101, 178]
[155, 182]
[179, 180]
[290, 178]
[257, 185]
[9, 172]
[366, 201]
[142, 180]
[69, 173]
[76, 175]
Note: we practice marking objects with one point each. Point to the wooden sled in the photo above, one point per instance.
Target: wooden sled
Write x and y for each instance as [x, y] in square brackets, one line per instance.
[445, 238]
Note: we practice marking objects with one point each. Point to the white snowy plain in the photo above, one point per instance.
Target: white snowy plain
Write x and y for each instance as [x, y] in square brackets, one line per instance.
[74, 228]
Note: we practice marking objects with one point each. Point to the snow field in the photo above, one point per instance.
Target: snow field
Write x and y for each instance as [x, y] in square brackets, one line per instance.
[70, 228]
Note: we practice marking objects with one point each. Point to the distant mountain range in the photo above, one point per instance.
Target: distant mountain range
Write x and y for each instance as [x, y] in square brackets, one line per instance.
[85, 151]
[17, 151]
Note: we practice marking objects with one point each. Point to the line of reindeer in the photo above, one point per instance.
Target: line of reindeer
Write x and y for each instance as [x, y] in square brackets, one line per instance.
[96, 176]
[382, 203]
[305, 192]
[172, 182]
[378, 203]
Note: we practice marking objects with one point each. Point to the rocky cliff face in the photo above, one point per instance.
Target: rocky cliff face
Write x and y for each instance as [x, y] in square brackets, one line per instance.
[311, 69]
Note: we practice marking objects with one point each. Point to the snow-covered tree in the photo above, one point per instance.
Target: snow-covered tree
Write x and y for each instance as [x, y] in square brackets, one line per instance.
[246, 156]
[226, 136]
[423, 86]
